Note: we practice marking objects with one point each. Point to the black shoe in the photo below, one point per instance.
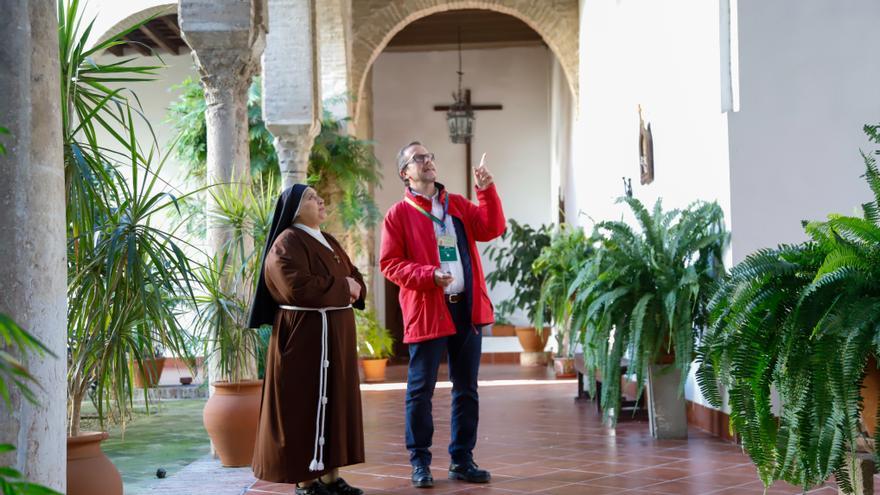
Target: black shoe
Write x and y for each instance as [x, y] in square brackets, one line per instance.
[316, 488]
[421, 477]
[468, 471]
[340, 487]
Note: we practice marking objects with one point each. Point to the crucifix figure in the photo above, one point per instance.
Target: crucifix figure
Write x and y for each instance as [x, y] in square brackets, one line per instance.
[469, 171]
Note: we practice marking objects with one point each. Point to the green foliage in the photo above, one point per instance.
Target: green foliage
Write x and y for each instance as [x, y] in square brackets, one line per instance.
[373, 340]
[125, 274]
[227, 280]
[341, 167]
[12, 482]
[520, 246]
[558, 265]
[341, 162]
[14, 373]
[3, 130]
[803, 320]
[644, 293]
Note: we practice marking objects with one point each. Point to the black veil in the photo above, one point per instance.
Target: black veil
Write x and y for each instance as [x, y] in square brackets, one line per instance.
[263, 307]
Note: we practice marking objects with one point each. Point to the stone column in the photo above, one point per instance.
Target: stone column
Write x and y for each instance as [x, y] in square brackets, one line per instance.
[227, 38]
[290, 85]
[32, 234]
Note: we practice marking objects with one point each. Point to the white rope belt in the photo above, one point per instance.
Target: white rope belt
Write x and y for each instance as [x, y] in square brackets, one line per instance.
[317, 463]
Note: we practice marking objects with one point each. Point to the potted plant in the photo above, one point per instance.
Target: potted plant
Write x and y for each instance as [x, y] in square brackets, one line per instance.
[231, 415]
[149, 371]
[125, 274]
[558, 264]
[644, 293]
[375, 345]
[520, 247]
[803, 320]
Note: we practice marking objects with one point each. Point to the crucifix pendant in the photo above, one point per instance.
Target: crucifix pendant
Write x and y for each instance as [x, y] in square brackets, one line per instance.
[336, 257]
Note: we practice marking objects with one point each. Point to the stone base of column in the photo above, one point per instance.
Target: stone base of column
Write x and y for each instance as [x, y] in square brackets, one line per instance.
[861, 471]
[534, 358]
[667, 412]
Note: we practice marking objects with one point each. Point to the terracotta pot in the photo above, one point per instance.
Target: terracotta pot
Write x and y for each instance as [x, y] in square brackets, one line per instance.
[564, 367]
[148, 376]
[89, 471]
[530, 340]
[374, 369]
[503, 330]
[231, 418]
[186, 380]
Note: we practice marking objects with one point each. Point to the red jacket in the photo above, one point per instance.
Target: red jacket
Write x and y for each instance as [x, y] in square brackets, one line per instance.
[409, 256]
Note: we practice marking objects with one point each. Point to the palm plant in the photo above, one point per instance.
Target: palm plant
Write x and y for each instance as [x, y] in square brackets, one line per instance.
[644, 294]
[228, 279]
[803, 320]
[125, 274]
[558, 264]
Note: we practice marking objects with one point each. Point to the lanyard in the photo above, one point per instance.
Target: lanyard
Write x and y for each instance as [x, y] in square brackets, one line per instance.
[440, 222]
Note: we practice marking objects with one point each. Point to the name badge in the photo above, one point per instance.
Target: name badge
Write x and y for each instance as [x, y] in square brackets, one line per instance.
[448, 248]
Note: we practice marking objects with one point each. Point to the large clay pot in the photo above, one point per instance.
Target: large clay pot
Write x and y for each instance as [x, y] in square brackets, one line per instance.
[231, 418]
[374, 369]
[148, 376]
[503, 330]
[530, 340]
[89, 471]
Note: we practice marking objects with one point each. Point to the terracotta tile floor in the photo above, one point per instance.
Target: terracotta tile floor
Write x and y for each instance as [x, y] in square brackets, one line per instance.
[536, 438]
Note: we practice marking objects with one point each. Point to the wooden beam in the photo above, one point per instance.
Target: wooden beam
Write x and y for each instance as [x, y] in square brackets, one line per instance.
[171, 25]
[157, 39]
[117, 50]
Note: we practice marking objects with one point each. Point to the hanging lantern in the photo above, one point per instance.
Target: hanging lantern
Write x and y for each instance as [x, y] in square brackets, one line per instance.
[460, 116]
[460, 119]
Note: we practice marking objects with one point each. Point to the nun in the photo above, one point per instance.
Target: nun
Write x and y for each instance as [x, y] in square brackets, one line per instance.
[311, 422]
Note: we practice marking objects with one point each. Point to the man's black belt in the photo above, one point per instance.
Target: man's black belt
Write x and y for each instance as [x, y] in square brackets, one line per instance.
[454, 298]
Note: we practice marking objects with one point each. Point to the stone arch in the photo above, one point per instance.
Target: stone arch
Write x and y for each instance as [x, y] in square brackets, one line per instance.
[375, 23]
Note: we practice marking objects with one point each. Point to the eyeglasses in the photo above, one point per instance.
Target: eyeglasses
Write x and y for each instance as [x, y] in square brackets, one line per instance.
[420, 158]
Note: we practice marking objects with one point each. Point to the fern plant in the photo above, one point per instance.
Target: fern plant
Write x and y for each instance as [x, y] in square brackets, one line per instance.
[801, 319]
[645, 293]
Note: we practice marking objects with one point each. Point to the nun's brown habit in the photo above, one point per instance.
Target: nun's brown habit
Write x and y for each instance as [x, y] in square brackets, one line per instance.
[298, 270]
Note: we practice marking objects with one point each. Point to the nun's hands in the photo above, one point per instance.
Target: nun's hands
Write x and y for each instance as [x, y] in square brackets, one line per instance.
[482, 177]
[354, 289]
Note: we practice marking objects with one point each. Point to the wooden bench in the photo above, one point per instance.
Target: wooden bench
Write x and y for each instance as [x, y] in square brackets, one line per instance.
[625, 404]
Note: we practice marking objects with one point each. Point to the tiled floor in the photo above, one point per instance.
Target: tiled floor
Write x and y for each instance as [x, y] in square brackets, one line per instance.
[536, 438]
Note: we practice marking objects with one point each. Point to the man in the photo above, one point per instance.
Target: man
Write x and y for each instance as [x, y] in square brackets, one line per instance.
[429, 250]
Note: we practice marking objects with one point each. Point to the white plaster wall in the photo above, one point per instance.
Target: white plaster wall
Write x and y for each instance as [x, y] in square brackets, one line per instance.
[808, 82]
[407, 85]
[666, 57]
[107, 14]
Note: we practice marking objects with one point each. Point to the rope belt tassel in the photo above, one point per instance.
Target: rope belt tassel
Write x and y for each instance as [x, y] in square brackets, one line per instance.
[317, 463]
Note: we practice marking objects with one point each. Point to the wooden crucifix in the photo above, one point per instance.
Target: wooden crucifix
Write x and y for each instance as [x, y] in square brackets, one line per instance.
[469, 171]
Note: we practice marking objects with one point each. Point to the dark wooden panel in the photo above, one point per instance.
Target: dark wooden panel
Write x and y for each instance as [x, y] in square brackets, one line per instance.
[477, 26]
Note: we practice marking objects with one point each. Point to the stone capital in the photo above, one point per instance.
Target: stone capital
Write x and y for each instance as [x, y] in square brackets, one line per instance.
[293, 144]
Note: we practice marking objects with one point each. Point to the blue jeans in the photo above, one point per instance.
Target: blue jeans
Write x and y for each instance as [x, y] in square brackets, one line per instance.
[464, 350]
